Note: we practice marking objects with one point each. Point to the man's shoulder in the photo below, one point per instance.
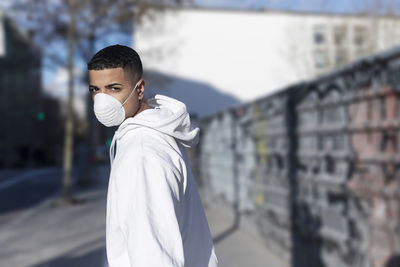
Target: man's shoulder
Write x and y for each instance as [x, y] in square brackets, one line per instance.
[145, 135]
[148, 144]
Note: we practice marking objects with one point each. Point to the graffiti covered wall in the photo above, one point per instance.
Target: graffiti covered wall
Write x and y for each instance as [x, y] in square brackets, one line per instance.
[317, 164]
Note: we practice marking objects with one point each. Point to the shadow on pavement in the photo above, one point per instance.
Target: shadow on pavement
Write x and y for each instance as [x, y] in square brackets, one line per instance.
[230, 230]
[91, 254]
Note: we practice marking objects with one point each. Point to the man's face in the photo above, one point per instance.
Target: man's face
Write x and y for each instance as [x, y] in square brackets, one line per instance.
[116, 83]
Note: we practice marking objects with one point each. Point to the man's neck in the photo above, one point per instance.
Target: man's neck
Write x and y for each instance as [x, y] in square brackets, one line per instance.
[142, 107]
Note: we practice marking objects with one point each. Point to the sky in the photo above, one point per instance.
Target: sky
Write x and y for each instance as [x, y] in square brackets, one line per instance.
[325, 6]
[338, 6]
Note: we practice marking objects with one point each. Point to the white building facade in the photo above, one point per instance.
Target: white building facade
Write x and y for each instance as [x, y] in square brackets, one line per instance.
[248, 54]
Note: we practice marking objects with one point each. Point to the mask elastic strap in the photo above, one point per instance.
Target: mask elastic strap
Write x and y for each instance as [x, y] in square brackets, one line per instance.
[130, 94]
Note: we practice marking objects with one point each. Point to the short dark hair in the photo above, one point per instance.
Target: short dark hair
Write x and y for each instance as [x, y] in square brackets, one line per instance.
[116, 56]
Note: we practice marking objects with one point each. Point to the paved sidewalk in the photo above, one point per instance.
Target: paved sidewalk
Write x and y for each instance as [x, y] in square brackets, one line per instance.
[237, 247]
[74, 236]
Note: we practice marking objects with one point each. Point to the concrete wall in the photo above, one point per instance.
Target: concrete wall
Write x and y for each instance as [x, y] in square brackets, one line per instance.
[317, 165]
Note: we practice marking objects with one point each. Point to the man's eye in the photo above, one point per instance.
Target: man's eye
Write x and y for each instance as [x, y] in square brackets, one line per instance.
[115, 88]
[92, 89]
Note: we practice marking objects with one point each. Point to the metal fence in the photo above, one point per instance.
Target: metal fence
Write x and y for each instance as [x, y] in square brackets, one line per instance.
[316, 164]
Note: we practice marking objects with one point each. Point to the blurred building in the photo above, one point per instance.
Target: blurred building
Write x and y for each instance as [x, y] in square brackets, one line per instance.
[251, 53]
[21, 100]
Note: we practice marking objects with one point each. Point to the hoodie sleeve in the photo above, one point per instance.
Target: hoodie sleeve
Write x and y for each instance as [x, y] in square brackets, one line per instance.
[149, 193]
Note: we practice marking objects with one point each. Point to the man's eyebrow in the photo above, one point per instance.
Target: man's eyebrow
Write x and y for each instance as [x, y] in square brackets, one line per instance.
[112, 84]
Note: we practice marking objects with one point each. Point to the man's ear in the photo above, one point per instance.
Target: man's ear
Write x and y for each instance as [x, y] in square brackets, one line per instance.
[140, 89]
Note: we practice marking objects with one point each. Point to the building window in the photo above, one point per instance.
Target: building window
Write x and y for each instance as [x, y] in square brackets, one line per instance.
[361, 42]
[319, 35]
[321, 59]
[360, 36]
[341, 57]
[340, 35]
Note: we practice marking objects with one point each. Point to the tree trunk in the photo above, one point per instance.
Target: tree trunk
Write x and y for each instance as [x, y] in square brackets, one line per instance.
[69, 122]
[86, 177]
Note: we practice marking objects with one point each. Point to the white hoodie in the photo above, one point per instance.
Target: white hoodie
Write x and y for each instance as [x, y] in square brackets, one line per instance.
[154, 214]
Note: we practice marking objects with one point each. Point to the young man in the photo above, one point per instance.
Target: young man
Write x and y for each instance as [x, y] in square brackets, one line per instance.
[154, 214]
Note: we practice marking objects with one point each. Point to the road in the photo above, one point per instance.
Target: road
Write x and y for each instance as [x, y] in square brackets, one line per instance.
[23, 189]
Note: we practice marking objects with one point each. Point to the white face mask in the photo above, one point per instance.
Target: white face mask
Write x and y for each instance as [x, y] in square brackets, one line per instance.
[108, 110]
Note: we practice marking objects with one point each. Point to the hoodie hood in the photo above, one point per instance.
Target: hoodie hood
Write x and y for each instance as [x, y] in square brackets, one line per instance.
[167, 115]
